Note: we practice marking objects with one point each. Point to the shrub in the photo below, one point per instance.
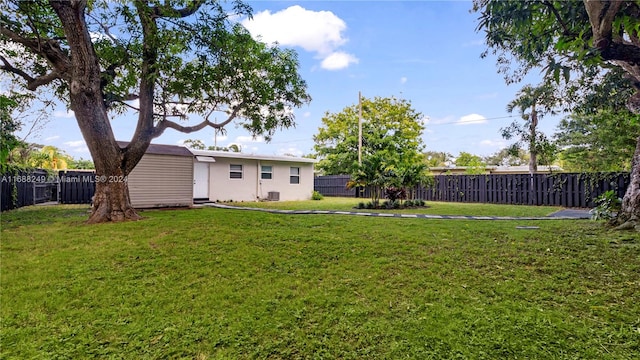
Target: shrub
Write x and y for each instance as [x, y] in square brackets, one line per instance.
[408, 203]
[316, 196]
[608, 204]
[361, 205]
[369, 205]
[394, 193]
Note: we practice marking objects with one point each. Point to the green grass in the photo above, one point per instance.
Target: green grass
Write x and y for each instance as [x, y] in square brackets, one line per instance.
[227, 284]
[433, 208]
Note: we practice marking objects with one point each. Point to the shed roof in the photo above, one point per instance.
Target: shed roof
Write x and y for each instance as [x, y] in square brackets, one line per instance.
[162, 149]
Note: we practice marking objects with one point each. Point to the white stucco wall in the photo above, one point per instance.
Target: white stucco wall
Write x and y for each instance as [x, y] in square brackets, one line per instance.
[251, 187]
[280, 181]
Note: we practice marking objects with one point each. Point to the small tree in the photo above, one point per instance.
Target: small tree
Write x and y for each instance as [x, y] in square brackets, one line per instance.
[390, 127]
[538, 101]
[374, 173]
[413, 175]
[473, 163]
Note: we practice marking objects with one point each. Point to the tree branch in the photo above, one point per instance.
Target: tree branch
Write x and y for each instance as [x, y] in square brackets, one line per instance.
[129, 97]
[622, 52]
[32, 83]
[601, 15]
[168, 124]
[47, 48]
[558, 17]
[167, 11]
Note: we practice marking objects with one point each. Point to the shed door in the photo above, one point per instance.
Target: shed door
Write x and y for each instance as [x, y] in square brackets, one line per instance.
[200, 180]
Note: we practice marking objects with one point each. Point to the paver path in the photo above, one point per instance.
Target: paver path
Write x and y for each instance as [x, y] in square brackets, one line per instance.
[567, 214]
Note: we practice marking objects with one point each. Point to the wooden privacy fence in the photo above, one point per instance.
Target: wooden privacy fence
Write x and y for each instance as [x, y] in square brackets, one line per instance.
[558, 189]
[76, 187]
[22, 188]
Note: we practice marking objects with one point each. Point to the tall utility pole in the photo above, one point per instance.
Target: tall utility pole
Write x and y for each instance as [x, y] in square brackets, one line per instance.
[360, 128]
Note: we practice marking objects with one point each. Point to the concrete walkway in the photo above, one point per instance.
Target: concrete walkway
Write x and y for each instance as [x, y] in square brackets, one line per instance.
[566, 214]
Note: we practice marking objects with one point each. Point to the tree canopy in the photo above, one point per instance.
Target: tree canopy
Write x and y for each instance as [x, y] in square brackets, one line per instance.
[170, 62]
[569, 40]
[391, 130]
[604, 141]
[8, 128]
[509, 156]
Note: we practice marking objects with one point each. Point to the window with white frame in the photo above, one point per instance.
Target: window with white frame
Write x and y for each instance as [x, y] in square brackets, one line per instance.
[294, 175]
[235, 171]
[266, 172]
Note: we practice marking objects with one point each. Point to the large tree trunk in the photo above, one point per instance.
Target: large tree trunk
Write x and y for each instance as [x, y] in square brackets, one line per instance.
[629, 216]
[111, 201]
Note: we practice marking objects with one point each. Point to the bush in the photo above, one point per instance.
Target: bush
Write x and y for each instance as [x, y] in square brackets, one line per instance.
[608, 205]
[361, 205]
[408, 203]
[393, 193]
[369, 205]
[316, 196]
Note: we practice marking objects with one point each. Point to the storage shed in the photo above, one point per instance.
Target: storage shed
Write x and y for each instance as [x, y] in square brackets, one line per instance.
[162, 178]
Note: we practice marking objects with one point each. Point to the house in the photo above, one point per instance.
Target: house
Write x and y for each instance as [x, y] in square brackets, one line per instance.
[174, 176]
[224, 176]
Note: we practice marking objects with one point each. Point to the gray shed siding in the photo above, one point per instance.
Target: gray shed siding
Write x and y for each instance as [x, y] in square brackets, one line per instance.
[161, 180]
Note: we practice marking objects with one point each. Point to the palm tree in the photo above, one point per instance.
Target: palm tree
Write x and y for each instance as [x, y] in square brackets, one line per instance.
[47, 157]
[413, 175]
[373, 173]
[539, 100]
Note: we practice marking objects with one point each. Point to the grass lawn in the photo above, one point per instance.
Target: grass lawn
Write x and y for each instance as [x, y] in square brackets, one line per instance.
[228, 284]
[432, 207]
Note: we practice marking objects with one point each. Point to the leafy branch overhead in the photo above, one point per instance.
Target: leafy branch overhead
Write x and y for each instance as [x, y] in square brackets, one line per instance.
[168, 61]
[586, 40]
[208, 67]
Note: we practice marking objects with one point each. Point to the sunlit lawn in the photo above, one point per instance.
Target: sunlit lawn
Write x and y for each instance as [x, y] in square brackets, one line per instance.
[228, 284]
[433, 208]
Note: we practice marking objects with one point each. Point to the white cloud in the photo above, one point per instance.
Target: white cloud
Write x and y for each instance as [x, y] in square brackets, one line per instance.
[76, 143]
[249, 139]
[50, 138]
[437, 121]
[306, 114]
[471, 119]
[319, 32]
[78, 146]
[64, 114]
[338, 60]
[493, 143]
[477, 42]
[403, 80]
[290, 151]
[134, 103]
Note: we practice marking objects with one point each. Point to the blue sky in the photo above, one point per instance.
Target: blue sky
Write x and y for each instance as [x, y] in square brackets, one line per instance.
[427, 52]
